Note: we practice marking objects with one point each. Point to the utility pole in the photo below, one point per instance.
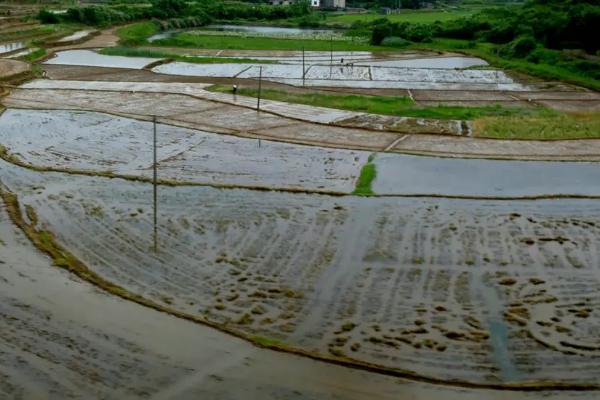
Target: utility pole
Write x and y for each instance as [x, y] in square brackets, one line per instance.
[154, 179]
[303, 68]
[331, 58]
[259, 88]
[331, 50]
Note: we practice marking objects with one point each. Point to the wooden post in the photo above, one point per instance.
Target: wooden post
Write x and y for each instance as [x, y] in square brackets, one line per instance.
[154, 184]
[259, 89]
[303, 68]
[331, 50]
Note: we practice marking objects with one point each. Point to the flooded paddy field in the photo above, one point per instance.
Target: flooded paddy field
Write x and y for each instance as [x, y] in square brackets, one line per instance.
[402, 174]
[62, 338]
[102, 143]
[74, 341]
[91, 58]
[74, 36]
[431, 79]
[21, 53]
[189, 105]
[11, 47]
[479, 291]
[425, 73]
[105, 143]
[432, 62]
[359, 76]
[198, 113]
[310, 57]
[486, 294]
[551, 94]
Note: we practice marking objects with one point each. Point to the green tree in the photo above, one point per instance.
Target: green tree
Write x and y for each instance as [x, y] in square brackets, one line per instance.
[168, 8]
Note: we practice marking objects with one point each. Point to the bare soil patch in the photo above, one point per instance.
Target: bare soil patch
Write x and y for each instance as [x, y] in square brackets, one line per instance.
[9, 68]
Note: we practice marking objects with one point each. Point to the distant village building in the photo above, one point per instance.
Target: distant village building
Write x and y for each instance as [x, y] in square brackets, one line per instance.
[313, 3]
[333, 4]
[389, 11]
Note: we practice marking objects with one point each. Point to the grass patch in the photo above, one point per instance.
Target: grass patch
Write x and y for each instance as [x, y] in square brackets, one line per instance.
[33, 32]
[548, 125]
[387, 105]
[33, 56]
[141, 52]
[267, 342]
[464, 113]
[367, 175]
[136, 34]
[262, 43]
[417, 16]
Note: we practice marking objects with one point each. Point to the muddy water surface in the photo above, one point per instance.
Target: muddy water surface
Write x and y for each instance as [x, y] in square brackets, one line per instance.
[402, 174]
[52, 322]
[75, 36]
[389, 281]
[105, 143]
[93, 59]
[432, 62]
[8, 47]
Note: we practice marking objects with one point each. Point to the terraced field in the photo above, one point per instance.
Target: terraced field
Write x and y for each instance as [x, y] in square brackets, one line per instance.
[484, 292]
[104, 143]
[446, 282]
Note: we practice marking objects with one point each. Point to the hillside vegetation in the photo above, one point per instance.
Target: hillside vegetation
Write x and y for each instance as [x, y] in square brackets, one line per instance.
[554, 39]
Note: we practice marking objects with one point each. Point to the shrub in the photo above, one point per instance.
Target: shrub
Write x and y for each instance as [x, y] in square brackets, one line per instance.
[395, 41]
[168, 8]
[418, 33]
[463, 28]
[309, 21]
[380, 32]
[520, 47]
[100, 15]
[543, 56]
[47, 17]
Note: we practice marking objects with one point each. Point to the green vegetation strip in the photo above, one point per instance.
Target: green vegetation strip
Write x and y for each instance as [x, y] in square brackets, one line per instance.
[43, 30]
[141, 52]
[387, 105]
[33, 56]
[545, 126]
[420, 17]
[367, 175]
[136, 34]
[495, 121]
[195, 40]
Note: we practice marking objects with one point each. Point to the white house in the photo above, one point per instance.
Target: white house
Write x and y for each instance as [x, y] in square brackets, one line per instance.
[313, 3]
[333, 4]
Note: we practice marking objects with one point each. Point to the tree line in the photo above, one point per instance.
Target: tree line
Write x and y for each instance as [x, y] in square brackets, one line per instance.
[202, 11]
[554, 32]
